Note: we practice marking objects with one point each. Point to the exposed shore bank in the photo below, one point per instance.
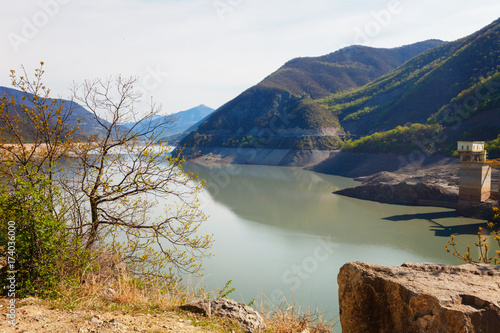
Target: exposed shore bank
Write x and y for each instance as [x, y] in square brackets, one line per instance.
[387, 178]
[256, 156]
[335, 162]
[399, 179]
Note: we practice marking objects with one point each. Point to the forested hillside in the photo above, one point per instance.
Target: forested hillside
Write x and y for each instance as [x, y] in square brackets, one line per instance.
[455, 85]
[370, 100]
[282, 111]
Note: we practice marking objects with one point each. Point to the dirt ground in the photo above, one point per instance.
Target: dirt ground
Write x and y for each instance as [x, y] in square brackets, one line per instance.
[33, 317]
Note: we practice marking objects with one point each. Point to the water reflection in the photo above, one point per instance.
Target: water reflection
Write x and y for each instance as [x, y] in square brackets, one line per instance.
[270, 223]
[284, 197]
[302, 201]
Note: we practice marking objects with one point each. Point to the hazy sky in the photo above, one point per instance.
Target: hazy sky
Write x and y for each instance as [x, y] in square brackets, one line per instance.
[191, 52]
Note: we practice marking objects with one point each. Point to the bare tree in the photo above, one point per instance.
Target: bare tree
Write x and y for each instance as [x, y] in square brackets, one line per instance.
[124, 175]
[121, 188]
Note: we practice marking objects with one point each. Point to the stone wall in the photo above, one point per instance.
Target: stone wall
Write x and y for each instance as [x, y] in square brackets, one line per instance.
[419, 298]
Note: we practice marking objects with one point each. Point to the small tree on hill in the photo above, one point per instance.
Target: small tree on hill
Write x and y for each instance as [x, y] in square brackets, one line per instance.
[118, 189]
[36, 242]
[35, 130]
[123, 176]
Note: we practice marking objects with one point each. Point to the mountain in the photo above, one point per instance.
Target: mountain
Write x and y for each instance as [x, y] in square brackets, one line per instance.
[345, 69]
[455, 85]
[89, 125]
[88, 122]
[183, 120]
[282, 111]
[448, 91]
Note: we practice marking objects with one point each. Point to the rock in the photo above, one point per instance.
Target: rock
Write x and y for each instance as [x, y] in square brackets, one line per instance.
[419, 298]
[404, 193]
[477, 210]
[250, 319]
[198, 306]
[30, 300]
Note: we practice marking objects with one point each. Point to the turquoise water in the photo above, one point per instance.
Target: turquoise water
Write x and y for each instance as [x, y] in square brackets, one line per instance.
[280, 233]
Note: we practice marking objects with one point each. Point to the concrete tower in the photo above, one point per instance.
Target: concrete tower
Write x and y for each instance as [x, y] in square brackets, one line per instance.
[475, 173]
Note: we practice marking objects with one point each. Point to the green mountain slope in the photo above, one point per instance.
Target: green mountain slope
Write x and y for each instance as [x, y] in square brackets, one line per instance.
[281, 111]
[433, 87]
[345, 69]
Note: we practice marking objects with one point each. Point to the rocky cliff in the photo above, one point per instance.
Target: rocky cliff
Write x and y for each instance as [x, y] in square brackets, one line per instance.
[419, 298]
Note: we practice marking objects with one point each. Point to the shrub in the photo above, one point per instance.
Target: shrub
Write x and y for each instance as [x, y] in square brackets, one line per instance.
[485, 252]
[31, 237]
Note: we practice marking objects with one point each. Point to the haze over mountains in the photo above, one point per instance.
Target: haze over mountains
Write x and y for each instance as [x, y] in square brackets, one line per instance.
[87, 124]
[367, 97]
[316, 103]
[181, 121]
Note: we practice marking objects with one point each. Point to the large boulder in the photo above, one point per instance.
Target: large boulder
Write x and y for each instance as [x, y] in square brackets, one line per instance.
[250, 319]
[419, 298]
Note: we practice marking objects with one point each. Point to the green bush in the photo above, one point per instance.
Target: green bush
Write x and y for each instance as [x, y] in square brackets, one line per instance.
[493, 148]
[32, 236]
[400, 140]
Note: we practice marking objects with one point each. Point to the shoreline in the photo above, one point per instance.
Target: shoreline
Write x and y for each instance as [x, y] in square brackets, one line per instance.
[385, 178]
[258, 156]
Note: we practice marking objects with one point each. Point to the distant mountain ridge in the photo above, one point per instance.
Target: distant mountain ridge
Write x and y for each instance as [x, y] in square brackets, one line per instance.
[283, 105]
[450, 90]
[350, 67]
[182, 121]
[88, 123]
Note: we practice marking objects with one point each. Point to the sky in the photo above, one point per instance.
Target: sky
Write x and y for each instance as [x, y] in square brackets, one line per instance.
[191, 52]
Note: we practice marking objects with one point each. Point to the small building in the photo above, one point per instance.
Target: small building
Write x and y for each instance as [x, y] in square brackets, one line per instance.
[475, 173]
[471, 151]
[470, 145]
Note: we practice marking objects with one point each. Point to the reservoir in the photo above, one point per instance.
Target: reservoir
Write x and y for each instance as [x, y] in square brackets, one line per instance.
[281, 234]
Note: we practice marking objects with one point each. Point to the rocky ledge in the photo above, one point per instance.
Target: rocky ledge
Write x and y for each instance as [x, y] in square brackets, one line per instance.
[430, 182]
[405, 194]
[419, 298]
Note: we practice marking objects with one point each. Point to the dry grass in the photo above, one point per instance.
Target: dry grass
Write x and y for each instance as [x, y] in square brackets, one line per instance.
[111, 288]
[109, 285]
[494, 163]
[287, 317]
